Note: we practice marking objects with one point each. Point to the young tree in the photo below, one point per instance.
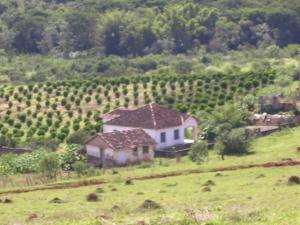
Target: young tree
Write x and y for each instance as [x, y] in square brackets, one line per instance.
[199, 152]
[78, 137]
[81, 168]
[235, 141]
[49, 165]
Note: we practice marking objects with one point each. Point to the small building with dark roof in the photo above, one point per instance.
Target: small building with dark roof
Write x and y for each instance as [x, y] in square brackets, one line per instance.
[120, 148]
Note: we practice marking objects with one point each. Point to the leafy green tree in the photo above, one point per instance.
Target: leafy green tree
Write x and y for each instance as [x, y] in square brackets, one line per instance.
[78, 137]
[235, 141]
[199, 152]
[125, 33]
[186, 23]
[29, 29]
[80, 31]
[81, 168]
[70, 156]
[49, 165]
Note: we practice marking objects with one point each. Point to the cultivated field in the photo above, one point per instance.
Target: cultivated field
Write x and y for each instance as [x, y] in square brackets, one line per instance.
[258, 195]
[56, 110]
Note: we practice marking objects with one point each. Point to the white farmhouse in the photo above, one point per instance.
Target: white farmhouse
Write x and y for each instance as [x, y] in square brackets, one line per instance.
[166, 127]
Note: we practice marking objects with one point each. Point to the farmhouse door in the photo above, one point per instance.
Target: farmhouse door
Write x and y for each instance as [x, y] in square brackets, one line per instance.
[121, 159]
[102, 159]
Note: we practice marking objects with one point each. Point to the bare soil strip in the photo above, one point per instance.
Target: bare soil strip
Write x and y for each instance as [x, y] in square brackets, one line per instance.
[220, 169]
[90, 182]
[56, 186]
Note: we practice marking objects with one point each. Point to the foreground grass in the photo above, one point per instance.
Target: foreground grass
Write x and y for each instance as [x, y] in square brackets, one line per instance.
[252, 196]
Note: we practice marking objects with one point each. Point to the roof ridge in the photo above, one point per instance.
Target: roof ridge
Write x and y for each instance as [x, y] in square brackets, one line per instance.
[152, 115]
[106, 141]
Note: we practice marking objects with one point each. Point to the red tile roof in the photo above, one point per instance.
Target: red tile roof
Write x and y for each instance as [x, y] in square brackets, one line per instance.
[150, 116]
[122, 140]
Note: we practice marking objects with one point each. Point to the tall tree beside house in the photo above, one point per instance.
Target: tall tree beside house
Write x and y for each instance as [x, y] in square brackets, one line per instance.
[227, 117]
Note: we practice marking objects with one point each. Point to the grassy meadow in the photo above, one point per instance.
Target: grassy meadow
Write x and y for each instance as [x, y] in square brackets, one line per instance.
[234, 197]
[229, 197]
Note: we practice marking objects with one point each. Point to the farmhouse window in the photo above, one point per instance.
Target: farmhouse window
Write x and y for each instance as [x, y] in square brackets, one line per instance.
[145, 149]
[163, 137]
[135, 151]
[176, 134]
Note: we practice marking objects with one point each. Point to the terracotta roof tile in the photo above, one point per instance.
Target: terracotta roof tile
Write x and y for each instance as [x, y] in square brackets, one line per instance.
[150, 116]
[122, 139]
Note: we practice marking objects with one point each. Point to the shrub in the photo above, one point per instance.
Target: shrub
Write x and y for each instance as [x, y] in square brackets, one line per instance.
[294, 180]
[150, 204]
[199, 152]
[92, 197]
[49, 165]
[87, 99]
[70, 156]
[235, 141]
[81, 168]
[78, 137]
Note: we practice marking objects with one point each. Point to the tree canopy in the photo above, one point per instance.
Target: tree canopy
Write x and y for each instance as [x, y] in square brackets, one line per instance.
[136, 27]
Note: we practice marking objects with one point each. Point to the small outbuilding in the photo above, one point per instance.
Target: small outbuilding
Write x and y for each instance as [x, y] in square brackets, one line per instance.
[120, 148]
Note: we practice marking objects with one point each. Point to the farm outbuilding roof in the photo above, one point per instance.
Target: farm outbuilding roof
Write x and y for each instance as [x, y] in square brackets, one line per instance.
[122, 140]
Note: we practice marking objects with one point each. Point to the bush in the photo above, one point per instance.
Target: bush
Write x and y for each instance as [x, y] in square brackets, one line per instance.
[235, 141]
[92, 197]
[294, 180]
[199, 152]
[81, 168]
[70, 156]
[78, 137]
[49, 165]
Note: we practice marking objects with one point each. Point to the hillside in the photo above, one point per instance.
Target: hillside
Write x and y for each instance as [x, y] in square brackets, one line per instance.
[56, 110]
[49, 40]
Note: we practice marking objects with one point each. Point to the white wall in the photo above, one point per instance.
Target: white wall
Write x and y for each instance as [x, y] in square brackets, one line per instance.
[93, 151]
[121, 157]
[155, 134]
[126, 156]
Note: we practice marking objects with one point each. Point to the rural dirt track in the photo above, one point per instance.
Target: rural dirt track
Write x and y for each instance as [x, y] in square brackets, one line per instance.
[91, 182]
[220, 169]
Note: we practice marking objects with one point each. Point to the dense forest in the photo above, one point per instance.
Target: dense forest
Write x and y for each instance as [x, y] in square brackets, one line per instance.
[137, 34]
[136, 27]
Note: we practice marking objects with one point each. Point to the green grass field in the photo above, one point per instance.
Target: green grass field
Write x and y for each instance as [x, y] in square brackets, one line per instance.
[248, 196]
[252, 196]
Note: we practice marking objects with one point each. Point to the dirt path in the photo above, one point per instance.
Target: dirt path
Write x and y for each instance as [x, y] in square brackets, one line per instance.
[90, 182]
[220, 169]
